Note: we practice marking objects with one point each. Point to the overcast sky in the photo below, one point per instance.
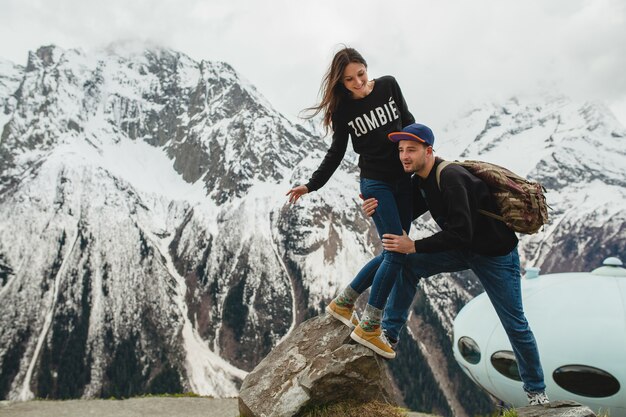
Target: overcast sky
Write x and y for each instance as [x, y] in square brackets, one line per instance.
[444, 54]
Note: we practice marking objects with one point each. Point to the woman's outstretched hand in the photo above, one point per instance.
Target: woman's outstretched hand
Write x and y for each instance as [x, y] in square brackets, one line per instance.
[297, 192]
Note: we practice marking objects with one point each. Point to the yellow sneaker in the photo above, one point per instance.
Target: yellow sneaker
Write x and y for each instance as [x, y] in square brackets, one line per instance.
[344, 314]
[374, 340]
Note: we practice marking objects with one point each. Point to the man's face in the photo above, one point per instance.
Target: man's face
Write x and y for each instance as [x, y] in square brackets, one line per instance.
[412, 155]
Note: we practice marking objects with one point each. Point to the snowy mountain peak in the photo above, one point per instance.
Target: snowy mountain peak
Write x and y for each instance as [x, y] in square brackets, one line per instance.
[45, 56]
[214, 125]
[535, 127]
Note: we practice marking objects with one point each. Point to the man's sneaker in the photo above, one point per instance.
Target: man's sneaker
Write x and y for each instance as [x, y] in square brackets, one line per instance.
[537, 398]
[345, 315]
[374, 340]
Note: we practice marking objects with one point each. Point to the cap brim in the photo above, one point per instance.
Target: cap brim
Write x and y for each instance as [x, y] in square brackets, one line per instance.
[398, 136]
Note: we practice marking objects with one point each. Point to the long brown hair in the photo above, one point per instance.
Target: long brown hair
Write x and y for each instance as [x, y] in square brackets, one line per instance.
[332, 90]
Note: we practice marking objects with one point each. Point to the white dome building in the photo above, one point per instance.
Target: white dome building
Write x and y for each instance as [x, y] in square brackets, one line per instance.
[579, 321]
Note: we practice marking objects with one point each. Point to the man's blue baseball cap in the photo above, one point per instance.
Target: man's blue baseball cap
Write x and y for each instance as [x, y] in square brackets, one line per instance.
[415, 132]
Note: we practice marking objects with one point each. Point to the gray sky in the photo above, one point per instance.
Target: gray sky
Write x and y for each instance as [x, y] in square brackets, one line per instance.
[444, 54]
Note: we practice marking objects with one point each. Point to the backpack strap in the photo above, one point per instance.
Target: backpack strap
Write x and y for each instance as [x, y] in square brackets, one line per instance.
[490, 214]
[440, 168]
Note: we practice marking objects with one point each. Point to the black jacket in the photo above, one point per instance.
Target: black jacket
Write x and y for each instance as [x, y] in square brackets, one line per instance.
[455, 209]
[367, 122]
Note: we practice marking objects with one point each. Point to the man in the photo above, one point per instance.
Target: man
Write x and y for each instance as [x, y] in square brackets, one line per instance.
[467, 240]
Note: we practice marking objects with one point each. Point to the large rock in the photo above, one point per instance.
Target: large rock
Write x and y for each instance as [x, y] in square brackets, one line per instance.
[556, 409]
[316, 364]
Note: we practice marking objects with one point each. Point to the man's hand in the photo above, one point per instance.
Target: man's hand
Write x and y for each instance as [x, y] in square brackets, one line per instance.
[401, 244]
[369, 205]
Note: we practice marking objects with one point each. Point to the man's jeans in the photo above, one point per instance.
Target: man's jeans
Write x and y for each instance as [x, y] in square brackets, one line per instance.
[499, 275]
[393, 215]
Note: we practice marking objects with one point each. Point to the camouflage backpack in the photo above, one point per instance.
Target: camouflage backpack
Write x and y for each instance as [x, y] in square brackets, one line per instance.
[521, 202]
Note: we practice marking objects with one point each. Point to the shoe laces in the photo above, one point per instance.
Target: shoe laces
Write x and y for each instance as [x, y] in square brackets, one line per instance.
[383, 336]
[388, 341]
[537, 398]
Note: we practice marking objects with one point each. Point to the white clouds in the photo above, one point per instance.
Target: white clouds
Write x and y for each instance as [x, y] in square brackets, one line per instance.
[443, 53]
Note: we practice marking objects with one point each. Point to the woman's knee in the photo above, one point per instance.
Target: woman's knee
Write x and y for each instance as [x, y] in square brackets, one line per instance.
[393, 257]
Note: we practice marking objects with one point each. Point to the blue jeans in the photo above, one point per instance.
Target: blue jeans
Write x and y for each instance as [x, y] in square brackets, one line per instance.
[393, 215]
[499, 275]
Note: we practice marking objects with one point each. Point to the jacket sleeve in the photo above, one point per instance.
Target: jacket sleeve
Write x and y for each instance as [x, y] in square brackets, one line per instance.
[457, 229]
[333, 158]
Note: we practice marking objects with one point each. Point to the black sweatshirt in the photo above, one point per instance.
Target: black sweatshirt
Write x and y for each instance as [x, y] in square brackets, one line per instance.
[367, 122]
[455, 209]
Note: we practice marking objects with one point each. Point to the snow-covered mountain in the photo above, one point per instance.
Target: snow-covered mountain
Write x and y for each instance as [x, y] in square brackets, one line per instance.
[146, 244]
[144, 226]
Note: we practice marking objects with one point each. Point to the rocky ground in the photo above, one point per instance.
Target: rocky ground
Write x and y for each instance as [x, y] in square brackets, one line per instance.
[135, 407]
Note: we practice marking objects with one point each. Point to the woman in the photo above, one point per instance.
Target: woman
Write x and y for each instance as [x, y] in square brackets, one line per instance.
[366, 111]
